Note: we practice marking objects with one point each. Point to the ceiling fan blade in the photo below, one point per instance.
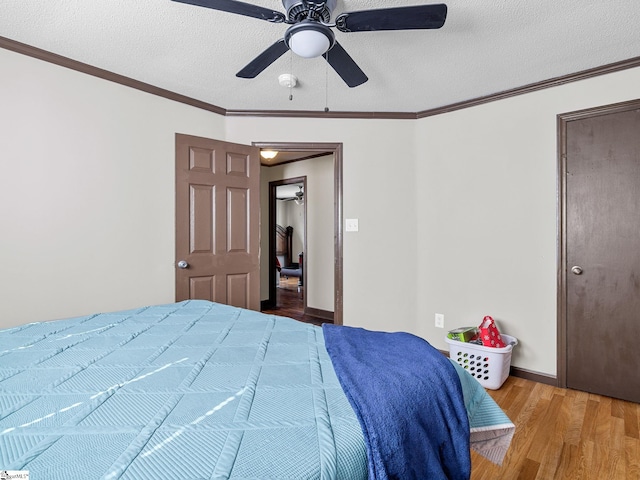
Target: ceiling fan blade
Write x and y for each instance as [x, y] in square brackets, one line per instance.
[262, 61]
[398, 18]
[240, 8]
[344, 66]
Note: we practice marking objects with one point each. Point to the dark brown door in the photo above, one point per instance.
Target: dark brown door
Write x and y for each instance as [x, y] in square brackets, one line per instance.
[217, 222]
[602, 269]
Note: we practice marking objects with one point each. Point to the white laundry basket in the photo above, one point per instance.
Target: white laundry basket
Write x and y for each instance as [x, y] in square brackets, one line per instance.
[490, 366]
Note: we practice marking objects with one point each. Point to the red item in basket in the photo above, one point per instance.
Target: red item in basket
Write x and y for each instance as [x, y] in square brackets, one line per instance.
[489, 333]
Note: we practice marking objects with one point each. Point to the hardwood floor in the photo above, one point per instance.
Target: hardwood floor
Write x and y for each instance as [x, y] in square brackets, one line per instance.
[564, 434]
[290, 302]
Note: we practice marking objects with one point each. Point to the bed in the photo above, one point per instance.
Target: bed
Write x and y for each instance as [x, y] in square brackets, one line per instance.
[198, 389]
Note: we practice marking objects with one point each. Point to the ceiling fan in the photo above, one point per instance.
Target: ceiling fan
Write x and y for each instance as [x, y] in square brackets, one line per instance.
[298, 196]
[310, 33]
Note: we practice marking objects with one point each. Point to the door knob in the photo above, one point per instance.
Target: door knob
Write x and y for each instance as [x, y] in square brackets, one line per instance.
[576, 270]
[183, 264]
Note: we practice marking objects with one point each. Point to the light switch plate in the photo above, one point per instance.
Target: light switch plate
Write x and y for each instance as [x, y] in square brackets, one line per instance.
[351, 224]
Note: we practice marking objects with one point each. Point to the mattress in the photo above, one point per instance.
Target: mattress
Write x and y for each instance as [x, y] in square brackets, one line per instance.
[188, 390]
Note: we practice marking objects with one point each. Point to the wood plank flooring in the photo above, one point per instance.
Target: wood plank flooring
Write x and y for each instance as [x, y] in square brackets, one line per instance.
[290, 302]
[564, 434]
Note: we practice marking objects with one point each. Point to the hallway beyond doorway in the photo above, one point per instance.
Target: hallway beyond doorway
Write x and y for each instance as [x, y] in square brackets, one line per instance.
[290, 302]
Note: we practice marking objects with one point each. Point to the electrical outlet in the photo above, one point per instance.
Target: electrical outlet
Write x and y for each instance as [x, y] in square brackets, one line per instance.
[439, 320]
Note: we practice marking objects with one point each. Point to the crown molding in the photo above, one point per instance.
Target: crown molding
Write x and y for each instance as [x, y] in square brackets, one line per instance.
[66, 62]
[321, 114]
[534, 87]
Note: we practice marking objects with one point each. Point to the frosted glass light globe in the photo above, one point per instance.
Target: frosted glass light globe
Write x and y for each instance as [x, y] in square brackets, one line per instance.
[309, 43]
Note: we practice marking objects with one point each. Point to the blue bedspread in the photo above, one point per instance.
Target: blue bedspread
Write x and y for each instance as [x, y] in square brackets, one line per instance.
[183, 391]
[202, 390]
[408, 399]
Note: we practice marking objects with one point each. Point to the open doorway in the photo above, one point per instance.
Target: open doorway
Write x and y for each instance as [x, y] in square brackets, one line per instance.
[288, 205]
[332, 203]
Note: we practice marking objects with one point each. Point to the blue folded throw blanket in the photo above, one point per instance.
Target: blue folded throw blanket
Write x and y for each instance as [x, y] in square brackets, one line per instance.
[408, 399]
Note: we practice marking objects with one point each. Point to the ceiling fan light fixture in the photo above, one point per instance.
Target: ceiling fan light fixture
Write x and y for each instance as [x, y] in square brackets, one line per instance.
[309, 39]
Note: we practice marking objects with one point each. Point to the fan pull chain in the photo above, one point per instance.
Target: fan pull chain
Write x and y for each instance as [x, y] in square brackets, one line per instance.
[326, 84]
[291, 71]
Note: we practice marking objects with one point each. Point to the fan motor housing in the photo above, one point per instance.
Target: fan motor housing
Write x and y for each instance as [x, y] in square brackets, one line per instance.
[298, 10]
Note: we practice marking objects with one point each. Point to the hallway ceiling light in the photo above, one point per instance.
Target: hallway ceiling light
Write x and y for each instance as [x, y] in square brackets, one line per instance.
[268, 154]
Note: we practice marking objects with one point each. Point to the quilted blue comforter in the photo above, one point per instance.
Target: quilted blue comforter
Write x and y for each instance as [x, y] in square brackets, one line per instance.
[188, 390]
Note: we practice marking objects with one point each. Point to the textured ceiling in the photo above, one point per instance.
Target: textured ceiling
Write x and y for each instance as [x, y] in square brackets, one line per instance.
[485, 47]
